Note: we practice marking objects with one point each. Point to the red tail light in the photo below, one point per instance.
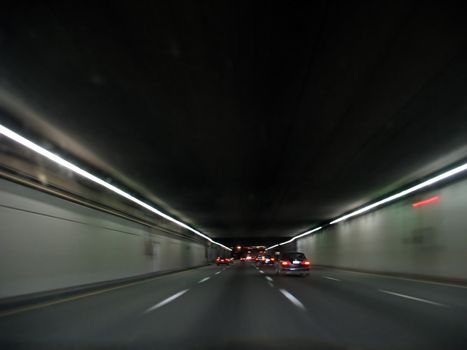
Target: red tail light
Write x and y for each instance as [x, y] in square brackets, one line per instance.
[272, 259]
[306, 263]
[285, 263]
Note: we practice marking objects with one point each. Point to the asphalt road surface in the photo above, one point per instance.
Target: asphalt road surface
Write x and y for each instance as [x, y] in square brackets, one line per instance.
[243, 307]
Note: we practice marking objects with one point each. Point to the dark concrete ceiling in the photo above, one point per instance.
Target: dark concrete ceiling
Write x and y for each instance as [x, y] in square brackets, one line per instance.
[250, 119]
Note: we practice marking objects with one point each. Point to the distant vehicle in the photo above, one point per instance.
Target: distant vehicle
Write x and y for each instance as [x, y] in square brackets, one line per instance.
[269, 261]
[246, 258]
[260, 259]
[222, 261]
[293, 263]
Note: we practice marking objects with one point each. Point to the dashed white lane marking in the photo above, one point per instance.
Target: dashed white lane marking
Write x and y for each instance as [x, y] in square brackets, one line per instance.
[269, 279]
[332, 278]
[204, 279]
[413, 298]
[218, 272]
[292, 299]
[166, 301]
[271, 285]
[261, 271]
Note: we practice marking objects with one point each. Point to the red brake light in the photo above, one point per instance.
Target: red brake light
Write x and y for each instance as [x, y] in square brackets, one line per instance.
[285, 263]
[272, 259]
[306, 263]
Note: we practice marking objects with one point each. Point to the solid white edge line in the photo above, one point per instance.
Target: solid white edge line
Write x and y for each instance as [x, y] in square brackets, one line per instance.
[166, 301]
[74, 168]
[204, 279]
[332, 278]
[412, 298]
[292, 299]
[408, 279]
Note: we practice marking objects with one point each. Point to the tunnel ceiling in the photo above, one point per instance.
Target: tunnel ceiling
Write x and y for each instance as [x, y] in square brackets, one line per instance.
[248, 119]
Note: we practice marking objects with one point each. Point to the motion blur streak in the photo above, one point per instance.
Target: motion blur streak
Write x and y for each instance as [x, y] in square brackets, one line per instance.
[426, 201]
[59, 160]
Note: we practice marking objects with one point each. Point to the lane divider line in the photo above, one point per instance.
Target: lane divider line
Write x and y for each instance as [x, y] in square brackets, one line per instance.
[261, 271]
[269, 279]
[292, 299]
[218, 272]
[413, 298]
[77, 297]
[332, 278]
[204, 279]
[166, 301]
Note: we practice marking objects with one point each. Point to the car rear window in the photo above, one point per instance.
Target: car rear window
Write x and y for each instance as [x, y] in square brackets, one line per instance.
[295, 256]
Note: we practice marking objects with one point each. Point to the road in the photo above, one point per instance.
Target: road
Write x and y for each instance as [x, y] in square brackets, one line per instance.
[243, 307]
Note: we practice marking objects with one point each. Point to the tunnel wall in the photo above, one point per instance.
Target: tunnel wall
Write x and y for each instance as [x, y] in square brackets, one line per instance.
[430, 240]
[47, 243]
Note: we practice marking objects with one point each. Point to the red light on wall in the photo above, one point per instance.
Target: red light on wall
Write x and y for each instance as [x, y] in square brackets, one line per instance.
[426, 201]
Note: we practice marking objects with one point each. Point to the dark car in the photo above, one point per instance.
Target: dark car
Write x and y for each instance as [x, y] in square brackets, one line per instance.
[268, 261]
[294, 263]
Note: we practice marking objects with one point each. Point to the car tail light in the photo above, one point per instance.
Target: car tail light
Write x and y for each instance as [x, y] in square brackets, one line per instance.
[285, 263]
[306, 263]
[272, 259]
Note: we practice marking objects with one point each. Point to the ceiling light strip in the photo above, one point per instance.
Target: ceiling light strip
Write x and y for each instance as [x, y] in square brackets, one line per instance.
[420, 186]
[412, 189]
[296, 237]
[57, 159]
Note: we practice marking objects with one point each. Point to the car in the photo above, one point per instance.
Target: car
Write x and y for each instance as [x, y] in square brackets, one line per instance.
[222, 261]
[260, 260]
[293, 263]
[269, 261]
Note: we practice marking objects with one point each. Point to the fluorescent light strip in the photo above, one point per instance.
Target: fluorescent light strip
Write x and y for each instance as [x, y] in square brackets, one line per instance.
[412, 189]
[57, 159]
[296, 237]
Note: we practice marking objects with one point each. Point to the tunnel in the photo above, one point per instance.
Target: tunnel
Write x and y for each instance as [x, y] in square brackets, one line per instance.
[233, 175]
